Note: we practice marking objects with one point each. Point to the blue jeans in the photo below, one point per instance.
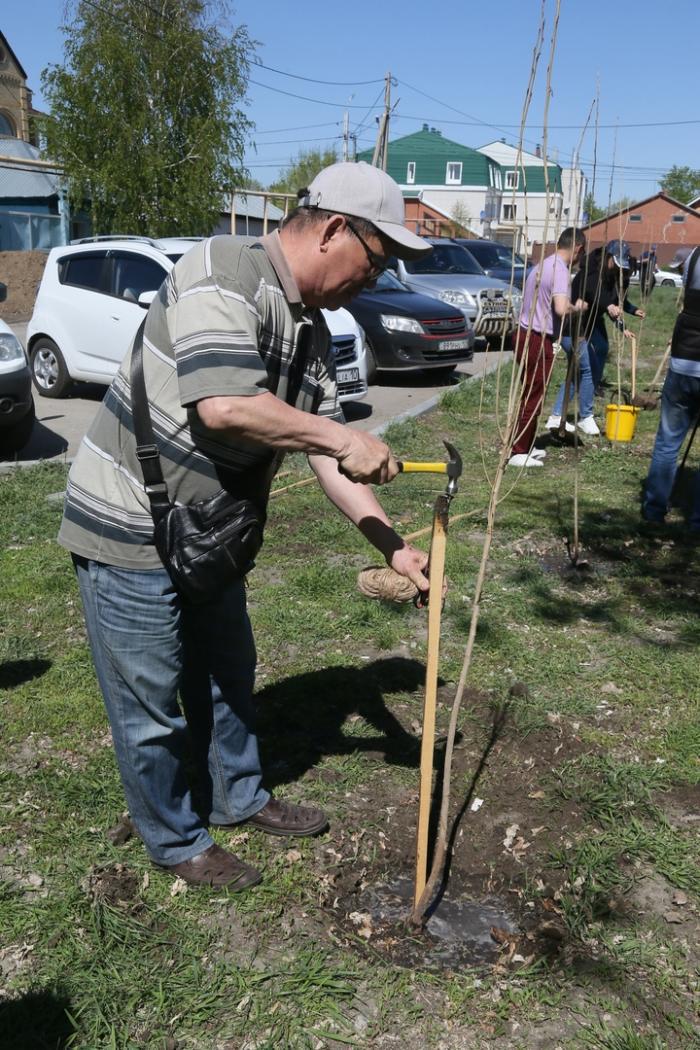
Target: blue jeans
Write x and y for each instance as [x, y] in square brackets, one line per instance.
[586, 390]
[148, 646]
[680, 405]
[598, 349]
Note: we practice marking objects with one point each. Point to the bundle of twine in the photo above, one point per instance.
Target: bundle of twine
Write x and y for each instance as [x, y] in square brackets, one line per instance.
[384, 584]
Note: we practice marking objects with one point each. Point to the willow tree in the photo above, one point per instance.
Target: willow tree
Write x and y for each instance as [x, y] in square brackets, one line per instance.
[146, 113]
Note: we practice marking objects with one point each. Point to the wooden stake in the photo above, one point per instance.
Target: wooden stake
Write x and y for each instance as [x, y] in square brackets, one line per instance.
[633, 340]
[438, 545]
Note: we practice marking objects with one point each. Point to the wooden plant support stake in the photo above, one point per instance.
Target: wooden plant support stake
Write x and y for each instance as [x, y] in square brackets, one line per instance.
[633, 340]
[438, 545]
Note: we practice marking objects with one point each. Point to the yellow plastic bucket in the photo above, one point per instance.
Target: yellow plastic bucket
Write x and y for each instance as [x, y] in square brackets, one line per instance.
[620, 421]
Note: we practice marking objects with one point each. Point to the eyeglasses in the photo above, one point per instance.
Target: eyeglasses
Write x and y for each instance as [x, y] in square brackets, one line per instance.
[378, 263]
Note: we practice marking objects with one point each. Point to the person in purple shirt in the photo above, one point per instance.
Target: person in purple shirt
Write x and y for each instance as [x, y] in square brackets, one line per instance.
[546, 302]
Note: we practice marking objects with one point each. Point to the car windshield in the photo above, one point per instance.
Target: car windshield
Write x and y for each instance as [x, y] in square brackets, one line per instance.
[446, 258]
[387, 282]
[495, 255]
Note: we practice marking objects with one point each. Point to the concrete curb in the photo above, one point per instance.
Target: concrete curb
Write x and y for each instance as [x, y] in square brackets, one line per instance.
[410, 413]
[433, 402]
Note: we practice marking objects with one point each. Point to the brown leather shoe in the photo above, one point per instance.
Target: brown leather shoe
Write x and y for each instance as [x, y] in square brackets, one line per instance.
[215, 867]
[286, 818]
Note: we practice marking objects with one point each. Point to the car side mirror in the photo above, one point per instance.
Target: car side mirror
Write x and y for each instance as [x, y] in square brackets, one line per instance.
[3, 292]
[146, 298]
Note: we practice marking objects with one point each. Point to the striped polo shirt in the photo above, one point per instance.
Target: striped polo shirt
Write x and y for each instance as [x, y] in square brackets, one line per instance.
[227, 321]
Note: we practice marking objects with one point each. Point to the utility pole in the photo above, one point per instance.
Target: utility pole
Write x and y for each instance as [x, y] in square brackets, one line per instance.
[379, 158]
[346, 133]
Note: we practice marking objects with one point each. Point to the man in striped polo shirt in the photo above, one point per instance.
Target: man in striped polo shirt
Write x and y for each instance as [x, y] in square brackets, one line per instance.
[238, 370]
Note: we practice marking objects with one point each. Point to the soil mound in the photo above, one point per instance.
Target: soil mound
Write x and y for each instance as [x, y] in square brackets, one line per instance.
[21, 272]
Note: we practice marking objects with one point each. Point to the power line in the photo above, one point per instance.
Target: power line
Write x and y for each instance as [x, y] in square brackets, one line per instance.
[299, 127]
[311, 80]
[305, 98]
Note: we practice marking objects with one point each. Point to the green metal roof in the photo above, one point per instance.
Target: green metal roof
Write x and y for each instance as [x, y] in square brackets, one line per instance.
[533, 181]
[431, 153]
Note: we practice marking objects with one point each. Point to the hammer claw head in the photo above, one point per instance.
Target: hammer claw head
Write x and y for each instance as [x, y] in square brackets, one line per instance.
[454, 467]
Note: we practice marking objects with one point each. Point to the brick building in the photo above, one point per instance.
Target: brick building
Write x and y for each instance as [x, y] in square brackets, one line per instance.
[16, 109]
[659, 220]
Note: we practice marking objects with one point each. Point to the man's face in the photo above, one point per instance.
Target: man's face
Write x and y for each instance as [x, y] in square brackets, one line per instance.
[350, 261]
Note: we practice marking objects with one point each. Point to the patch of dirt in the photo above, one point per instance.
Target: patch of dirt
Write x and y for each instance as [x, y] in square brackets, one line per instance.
[113, 884]
[681, 806]
[504, 830]
[21, 272]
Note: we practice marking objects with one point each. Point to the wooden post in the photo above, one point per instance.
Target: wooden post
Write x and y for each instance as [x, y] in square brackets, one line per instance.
[233, 214]
[438, 544]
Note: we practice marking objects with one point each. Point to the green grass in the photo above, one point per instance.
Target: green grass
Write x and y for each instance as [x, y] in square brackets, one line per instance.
[96, 953]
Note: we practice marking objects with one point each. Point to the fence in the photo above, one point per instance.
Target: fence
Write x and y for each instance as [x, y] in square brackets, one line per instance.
[24, 231]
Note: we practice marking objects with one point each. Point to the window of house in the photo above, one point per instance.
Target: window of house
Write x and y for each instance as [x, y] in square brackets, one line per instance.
[453, 175]
[512, 180]
[635, 218]
[6, 126]
[411, 171]
[678, 218]
[509, 212]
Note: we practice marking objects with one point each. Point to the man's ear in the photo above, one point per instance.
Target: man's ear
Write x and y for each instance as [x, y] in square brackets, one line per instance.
[332, 228]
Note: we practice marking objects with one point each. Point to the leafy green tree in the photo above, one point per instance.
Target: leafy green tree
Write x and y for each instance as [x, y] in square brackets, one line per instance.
[145, 113]
[591, 209]
[683, 184]
[301, 171]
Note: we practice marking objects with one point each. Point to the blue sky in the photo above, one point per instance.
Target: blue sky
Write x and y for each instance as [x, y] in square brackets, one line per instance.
[473, 60]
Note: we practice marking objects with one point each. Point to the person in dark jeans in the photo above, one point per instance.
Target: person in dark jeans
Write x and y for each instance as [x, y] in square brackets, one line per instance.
[680, 398]
[606, 280]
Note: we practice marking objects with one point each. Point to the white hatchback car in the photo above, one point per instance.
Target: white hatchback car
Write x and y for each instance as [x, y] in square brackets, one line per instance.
[91, 300]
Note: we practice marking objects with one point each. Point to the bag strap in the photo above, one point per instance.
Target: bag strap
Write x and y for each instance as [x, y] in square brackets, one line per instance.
[146, 447]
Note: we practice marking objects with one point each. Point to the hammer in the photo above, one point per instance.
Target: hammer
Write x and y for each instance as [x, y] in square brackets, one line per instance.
[453, 468]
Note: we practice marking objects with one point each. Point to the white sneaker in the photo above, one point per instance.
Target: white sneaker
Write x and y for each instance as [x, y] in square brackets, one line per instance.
[523, 460]
[554, 422]
[539, 453]
[589, 426]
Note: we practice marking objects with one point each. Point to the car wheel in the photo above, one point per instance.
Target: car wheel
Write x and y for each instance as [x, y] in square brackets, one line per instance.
[667, 284]
[371, 361]
[14, 438]
[49, 372]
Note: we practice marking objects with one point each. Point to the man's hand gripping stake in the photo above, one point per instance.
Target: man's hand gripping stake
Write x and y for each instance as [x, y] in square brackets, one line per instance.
[436, 563]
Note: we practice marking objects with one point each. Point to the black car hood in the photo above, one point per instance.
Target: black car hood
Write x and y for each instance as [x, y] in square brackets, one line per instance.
[405, 304]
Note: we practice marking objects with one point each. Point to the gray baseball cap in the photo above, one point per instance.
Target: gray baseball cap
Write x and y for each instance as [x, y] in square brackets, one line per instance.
[365, 192]
[679, 259]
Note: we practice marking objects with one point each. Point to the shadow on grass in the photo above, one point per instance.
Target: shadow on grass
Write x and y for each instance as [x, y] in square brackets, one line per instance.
[38, 1020]
[656, 567]
[301, 719]
[17, 672]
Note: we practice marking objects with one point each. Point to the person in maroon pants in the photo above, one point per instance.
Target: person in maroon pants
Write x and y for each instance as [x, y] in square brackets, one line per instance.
[546, 302]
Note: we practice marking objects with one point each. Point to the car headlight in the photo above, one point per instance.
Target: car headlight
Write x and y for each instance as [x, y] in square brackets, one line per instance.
[393, 323]
[517, 301]
[458, 299]
[10, 347]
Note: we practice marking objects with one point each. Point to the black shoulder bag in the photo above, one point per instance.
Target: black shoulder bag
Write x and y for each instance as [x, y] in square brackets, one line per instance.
[204, 546]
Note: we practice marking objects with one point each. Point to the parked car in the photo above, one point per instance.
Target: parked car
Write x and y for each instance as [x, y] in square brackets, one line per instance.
[451, 274]
[664, 278]
[497, 260]
[16, 402]
[405, 330]
[91, 301]
[350, 355]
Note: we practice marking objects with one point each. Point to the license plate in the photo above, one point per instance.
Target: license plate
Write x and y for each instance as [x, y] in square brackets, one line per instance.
[348, 375]
[490, 306]
[454, 344]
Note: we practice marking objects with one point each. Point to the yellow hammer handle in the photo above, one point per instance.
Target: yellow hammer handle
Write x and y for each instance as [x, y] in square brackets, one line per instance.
[423, 468]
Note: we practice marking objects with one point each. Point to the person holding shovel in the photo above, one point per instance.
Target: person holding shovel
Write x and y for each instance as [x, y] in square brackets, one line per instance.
[546, 302]
[680, 398]
[238, 369]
